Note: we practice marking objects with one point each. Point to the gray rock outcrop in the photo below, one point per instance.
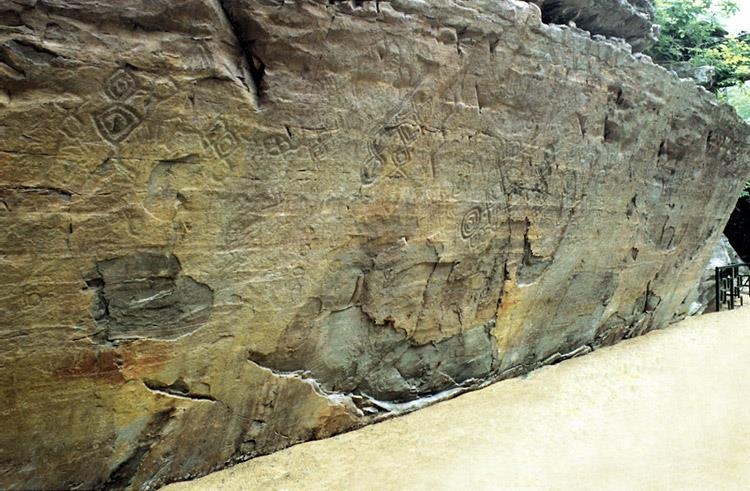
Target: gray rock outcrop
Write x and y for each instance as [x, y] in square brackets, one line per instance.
[631, 20]
[704, 75]
[233, 226]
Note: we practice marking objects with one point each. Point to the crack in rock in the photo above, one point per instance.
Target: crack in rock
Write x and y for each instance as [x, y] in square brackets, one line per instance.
[350, 353]
[178, 389]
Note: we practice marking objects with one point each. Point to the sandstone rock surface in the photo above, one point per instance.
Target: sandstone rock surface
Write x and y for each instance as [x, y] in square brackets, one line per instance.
[232, 226]
[643, 415]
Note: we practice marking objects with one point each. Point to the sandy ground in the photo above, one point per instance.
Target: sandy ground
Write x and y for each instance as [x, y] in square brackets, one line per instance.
[666, 411]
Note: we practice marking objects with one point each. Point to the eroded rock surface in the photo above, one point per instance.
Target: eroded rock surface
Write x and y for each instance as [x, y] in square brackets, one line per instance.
[232, 226]
[143, 296]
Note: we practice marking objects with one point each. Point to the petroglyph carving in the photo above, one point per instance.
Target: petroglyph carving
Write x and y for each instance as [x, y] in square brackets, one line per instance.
[276, 145]
[486, 216]
[120, 85]
[391, 148]
[118, 120]
[481, 219]
[200, 57]
[73, 124]
[220, 139]
[472, 222]
[303, 290]
[319, 150]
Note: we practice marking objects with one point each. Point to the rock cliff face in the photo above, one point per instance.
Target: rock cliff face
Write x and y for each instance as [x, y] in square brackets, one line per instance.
[232, 226]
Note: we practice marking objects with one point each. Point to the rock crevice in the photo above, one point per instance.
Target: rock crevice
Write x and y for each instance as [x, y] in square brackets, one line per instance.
[631, 20]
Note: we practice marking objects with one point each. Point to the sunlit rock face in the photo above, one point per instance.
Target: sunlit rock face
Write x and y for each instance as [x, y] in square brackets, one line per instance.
[232, 226]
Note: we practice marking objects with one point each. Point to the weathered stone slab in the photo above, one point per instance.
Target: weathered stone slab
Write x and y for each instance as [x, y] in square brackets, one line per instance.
[232, 226]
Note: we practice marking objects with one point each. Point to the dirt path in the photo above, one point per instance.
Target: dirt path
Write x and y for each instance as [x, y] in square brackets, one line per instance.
[670, 410]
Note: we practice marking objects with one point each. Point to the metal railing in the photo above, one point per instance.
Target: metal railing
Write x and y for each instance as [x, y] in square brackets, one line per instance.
[732, 282]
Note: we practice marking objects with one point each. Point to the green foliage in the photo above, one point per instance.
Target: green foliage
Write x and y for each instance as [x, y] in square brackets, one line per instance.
[691, 31]
[739, 97]
[731, 58]
[687, 27]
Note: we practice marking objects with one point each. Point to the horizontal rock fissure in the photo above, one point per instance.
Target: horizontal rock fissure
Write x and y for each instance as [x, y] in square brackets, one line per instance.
[378, 360]
[176, 389]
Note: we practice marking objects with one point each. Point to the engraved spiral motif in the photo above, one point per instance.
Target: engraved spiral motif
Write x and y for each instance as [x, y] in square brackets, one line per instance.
[471, 223]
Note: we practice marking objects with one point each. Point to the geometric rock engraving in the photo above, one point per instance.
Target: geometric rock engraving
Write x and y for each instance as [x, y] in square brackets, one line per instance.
[220, 139]
[319, 150]
[487, 215]
[481, 219]
[472, 222]
[371, 170]
[116, 122]
[225, 145]
[397, 296]
[120, 85]
[276, 145]
[71, 126]
[391, 146]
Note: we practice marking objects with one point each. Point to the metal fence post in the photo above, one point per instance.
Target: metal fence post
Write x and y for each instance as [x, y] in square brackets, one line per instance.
[717, 275]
